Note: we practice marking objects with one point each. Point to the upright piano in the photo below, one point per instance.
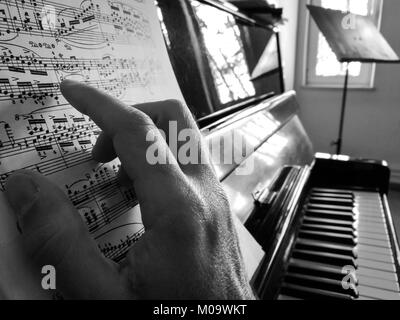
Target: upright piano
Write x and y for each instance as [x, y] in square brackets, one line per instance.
[317, 226]
[323, 221]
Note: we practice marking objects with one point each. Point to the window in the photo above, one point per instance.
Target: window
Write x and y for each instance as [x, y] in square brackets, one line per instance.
[223, 41]
[322, 68]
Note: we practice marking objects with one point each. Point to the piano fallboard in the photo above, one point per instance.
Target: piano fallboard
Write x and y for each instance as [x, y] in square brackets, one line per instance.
[273, 129]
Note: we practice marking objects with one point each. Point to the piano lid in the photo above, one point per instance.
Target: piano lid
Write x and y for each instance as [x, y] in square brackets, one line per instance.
[214, 53]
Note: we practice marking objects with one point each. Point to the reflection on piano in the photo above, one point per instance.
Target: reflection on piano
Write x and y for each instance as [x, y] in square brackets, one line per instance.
[323, 221]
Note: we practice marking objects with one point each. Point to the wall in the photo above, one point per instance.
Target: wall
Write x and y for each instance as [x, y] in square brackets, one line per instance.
[372, 127]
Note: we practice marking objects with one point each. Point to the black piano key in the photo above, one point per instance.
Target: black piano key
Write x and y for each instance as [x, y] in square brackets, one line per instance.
[329, 237]
[287, 298]
[330, 222]
[312, 294]
[319, 227]
[332, 201]
[319, 283]
[330, 191]
[342, 216]
[333, 195]
[324, 257]
[321, 246]
[317, 269]
[331, 207]
[336, 223]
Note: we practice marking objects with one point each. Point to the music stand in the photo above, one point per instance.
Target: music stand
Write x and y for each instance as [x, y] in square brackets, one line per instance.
[353, 38]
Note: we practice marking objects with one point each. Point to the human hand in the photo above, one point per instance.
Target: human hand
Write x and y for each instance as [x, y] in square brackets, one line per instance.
[189, 250]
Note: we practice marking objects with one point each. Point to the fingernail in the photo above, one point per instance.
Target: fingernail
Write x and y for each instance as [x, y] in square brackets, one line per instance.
[21, 192]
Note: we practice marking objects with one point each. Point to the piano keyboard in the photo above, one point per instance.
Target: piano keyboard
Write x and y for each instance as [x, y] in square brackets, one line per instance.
[342, 232]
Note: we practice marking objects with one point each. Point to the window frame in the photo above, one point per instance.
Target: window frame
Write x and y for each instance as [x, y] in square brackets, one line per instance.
[366, 80]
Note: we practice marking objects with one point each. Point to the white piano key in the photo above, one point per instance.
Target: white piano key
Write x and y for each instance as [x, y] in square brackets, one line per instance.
[374, 227]
[360, 218]
[366, 201]
[373, 273]
[368, 204]
[365, 217]
[370, 224]
[367, 229]
[363, 200]
[375, 256]
[370, 209]
[378, 293]
[370, 230]
[374, 236]
[376, 265]
[377, 243]
[378, 283]
[372, 212]
[374, 249]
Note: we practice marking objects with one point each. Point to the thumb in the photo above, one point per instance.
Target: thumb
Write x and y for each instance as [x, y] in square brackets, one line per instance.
[54, 234]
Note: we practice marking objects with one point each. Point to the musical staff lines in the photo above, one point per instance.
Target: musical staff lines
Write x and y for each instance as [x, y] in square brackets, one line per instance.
[100, 198]
[57, 142]
[43, 142]
[85, 26]
[113, 45]
[118, 250]
[113, 75]
[52, 166]
[41, 66]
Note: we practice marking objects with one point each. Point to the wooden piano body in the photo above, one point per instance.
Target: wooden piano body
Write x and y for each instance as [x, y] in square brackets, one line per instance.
[322, 221]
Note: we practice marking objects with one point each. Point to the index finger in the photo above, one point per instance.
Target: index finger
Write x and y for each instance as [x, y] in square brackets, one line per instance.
[97, 105]
[128, 129]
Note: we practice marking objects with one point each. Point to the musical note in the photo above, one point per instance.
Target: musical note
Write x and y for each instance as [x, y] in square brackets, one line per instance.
[117, 249]
[82, 25]
[114, 75]
[115, 46]
[100, 185]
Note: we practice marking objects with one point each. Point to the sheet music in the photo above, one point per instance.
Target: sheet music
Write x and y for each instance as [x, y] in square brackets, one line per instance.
[116, 46]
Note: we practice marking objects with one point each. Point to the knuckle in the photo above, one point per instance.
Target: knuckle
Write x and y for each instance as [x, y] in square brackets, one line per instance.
[134, 121]
[137, 117]
[175, 106]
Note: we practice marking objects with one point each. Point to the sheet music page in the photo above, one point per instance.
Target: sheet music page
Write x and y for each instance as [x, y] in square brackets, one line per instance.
[116, 46]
